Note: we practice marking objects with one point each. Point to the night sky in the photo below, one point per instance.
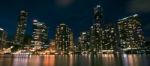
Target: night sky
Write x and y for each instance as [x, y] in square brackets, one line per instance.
[78, 14]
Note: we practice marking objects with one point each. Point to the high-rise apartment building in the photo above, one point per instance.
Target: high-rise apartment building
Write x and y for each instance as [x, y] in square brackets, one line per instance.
[96, 31]
[109, 37]
[3, 38]
[40, 35]
[64, 39]
[21, 28]
[84, 42]
[130, 33]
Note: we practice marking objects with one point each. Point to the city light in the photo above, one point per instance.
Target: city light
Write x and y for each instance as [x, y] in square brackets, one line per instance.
[126, 36]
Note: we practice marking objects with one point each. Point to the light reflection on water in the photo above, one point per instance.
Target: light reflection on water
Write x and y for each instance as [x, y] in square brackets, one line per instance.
[75, 60]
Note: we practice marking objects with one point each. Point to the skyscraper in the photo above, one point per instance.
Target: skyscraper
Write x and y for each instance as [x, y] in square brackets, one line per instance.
[3, 38]
[64, 39]
[96, 31]
[21, 28]
[84, 42]
[40, 35]
[130, 33]
[109, 37]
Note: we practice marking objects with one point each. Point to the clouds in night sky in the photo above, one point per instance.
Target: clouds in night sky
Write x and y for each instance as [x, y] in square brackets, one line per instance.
[63, 3]
[139, 6]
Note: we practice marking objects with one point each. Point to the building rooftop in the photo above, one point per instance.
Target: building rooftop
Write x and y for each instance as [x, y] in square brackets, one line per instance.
[132, 16]
[1, 29]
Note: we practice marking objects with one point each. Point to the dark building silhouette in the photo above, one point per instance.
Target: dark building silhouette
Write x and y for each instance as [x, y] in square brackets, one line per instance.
[21, 28]
[3, 38]
[96, 31]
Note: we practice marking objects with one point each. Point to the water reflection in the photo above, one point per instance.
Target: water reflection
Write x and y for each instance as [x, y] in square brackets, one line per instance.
[20, 61]
[49, 60]
[5, 61]
[136, 60]
[108, 60]
[75, 60]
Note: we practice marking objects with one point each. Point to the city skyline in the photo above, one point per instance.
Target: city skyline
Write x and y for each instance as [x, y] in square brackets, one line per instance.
[81, 18]
[126, 36]
[74, 32]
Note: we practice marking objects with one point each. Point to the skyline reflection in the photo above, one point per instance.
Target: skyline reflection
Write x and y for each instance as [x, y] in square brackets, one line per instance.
[75, 60]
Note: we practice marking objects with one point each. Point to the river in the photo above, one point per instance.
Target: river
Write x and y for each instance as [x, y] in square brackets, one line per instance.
[75, 60]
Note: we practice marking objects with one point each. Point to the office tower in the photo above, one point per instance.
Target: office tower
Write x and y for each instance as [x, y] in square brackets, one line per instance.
[84, 41]
[3, 38]
[64, 38]
[21, 28]
[130, 33]
[96, 31]
[109, 37]
[40, 35]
